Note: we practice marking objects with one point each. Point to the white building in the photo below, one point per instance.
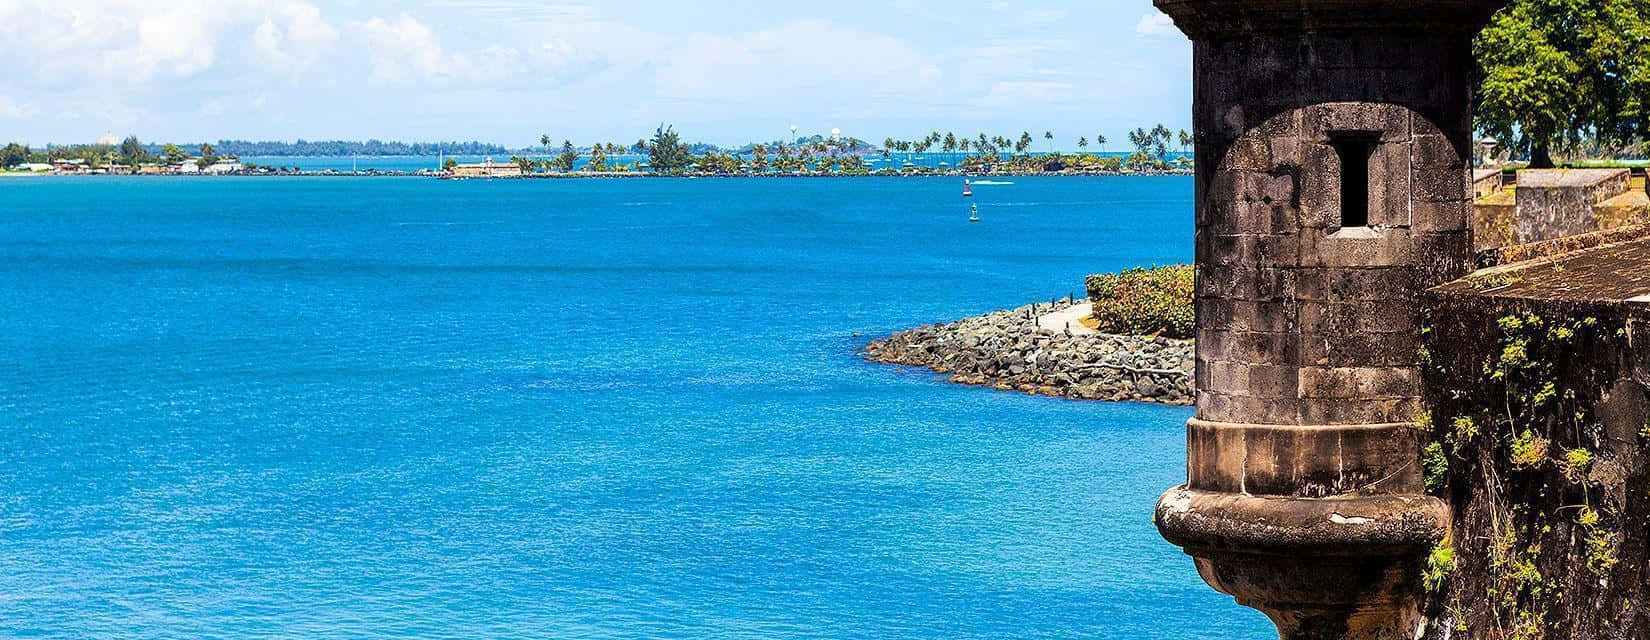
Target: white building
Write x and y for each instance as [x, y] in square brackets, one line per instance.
[37, 167]
[226, 166]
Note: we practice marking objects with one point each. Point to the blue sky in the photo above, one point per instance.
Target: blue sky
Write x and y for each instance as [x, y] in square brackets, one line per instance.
[507, 71]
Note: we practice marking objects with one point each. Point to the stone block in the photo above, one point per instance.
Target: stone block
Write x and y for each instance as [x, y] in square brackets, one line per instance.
[1441, 185]
[1213, 405]
[1250, 347]
[1339, 411]
[1432, 217]
[1434, 151]
[1389, 186]
[1323, 284]
[1336, 319]
[1359, 247]
[1397, 349]
[1370, 383]
[1390, 121]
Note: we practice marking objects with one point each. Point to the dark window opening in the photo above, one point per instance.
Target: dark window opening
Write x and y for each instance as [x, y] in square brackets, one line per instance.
[1355, 151]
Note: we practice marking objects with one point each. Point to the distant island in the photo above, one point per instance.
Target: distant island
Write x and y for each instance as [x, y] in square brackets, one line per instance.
[665, 153]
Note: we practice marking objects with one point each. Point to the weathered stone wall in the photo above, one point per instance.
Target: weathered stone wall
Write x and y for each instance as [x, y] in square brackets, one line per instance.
[1007, 350]
[1304, 321]
[1333, 189]
[1561, 202]
[1538, 438]
[1486, 182]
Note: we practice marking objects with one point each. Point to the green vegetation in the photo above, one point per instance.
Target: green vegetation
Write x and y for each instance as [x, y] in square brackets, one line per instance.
[1524, 456]
[1435, 464]
[665, 151]
[1155, 301]
[1566, 73]
[1440, 564]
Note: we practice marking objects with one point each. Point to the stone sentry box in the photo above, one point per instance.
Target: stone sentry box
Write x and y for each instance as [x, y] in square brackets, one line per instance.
[1333, 142]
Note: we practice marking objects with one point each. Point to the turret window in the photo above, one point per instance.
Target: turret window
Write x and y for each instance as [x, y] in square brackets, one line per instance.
[1355, 150]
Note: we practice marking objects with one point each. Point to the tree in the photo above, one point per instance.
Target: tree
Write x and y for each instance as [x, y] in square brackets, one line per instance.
[598, 158]
[1049, 136]
[12, 155]
[666, 152]
[173, 154]
[1554, 72]
[1083, 143]
[568, 157]
[1100, 141]
[1024, 143]
[209, 156]
[132, 151]
[1186, 140]
[544, 141]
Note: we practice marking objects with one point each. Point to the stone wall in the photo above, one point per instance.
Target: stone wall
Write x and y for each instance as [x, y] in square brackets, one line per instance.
[1007, 350]
[1561, 202]
[1538, 438]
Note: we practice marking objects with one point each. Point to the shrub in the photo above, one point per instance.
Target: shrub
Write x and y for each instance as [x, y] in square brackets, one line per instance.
[1154, 301]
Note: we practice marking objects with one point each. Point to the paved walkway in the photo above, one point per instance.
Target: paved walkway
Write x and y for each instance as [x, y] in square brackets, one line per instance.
[1069, 317]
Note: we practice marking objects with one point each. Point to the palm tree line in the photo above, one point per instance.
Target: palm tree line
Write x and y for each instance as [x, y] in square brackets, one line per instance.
[979, 151]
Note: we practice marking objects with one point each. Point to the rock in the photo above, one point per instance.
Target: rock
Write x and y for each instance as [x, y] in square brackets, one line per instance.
[1007, 350]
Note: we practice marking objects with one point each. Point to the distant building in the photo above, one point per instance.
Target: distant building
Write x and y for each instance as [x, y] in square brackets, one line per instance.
[487, 169]
[226, 166]
[37, 167]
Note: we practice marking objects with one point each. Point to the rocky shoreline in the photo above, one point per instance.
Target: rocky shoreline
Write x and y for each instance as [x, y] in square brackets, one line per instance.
[1009, 351]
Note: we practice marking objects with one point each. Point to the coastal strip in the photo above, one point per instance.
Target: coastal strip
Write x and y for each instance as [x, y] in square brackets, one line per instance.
[1010, 350]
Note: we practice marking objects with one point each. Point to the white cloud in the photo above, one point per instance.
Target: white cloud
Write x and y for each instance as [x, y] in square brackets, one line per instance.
[1156, 23]
[1017, 93]
[800, 60]
[401, 49]
[134, 41]
[294, 38]
[404, 50]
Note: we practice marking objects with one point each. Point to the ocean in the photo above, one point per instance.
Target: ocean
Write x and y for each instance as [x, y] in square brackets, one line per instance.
[410, 408]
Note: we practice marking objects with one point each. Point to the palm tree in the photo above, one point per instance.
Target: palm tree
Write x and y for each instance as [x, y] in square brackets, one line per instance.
[1100, 141]
[1049, 136]
[1083, 143]
[949, 144]
[1186, 140]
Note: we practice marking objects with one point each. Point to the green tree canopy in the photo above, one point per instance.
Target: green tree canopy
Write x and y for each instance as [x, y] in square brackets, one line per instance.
[1556, 72]
[13, 154]
[568, 157]
[132, 151]
[666, 153]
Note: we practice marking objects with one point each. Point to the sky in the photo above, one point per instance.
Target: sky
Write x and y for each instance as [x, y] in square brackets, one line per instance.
[509, 71]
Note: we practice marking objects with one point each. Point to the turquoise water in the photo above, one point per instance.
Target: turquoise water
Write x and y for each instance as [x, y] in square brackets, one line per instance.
[407, 408]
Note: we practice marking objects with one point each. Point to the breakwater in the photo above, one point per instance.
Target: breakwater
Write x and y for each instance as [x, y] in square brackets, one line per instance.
[1008, 350]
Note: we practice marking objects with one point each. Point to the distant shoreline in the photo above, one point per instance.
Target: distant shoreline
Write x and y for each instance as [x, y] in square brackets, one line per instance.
[589, 175]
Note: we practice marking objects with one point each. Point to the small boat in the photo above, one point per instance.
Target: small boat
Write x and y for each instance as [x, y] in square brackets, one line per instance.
[968, 189]
[974, 213]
